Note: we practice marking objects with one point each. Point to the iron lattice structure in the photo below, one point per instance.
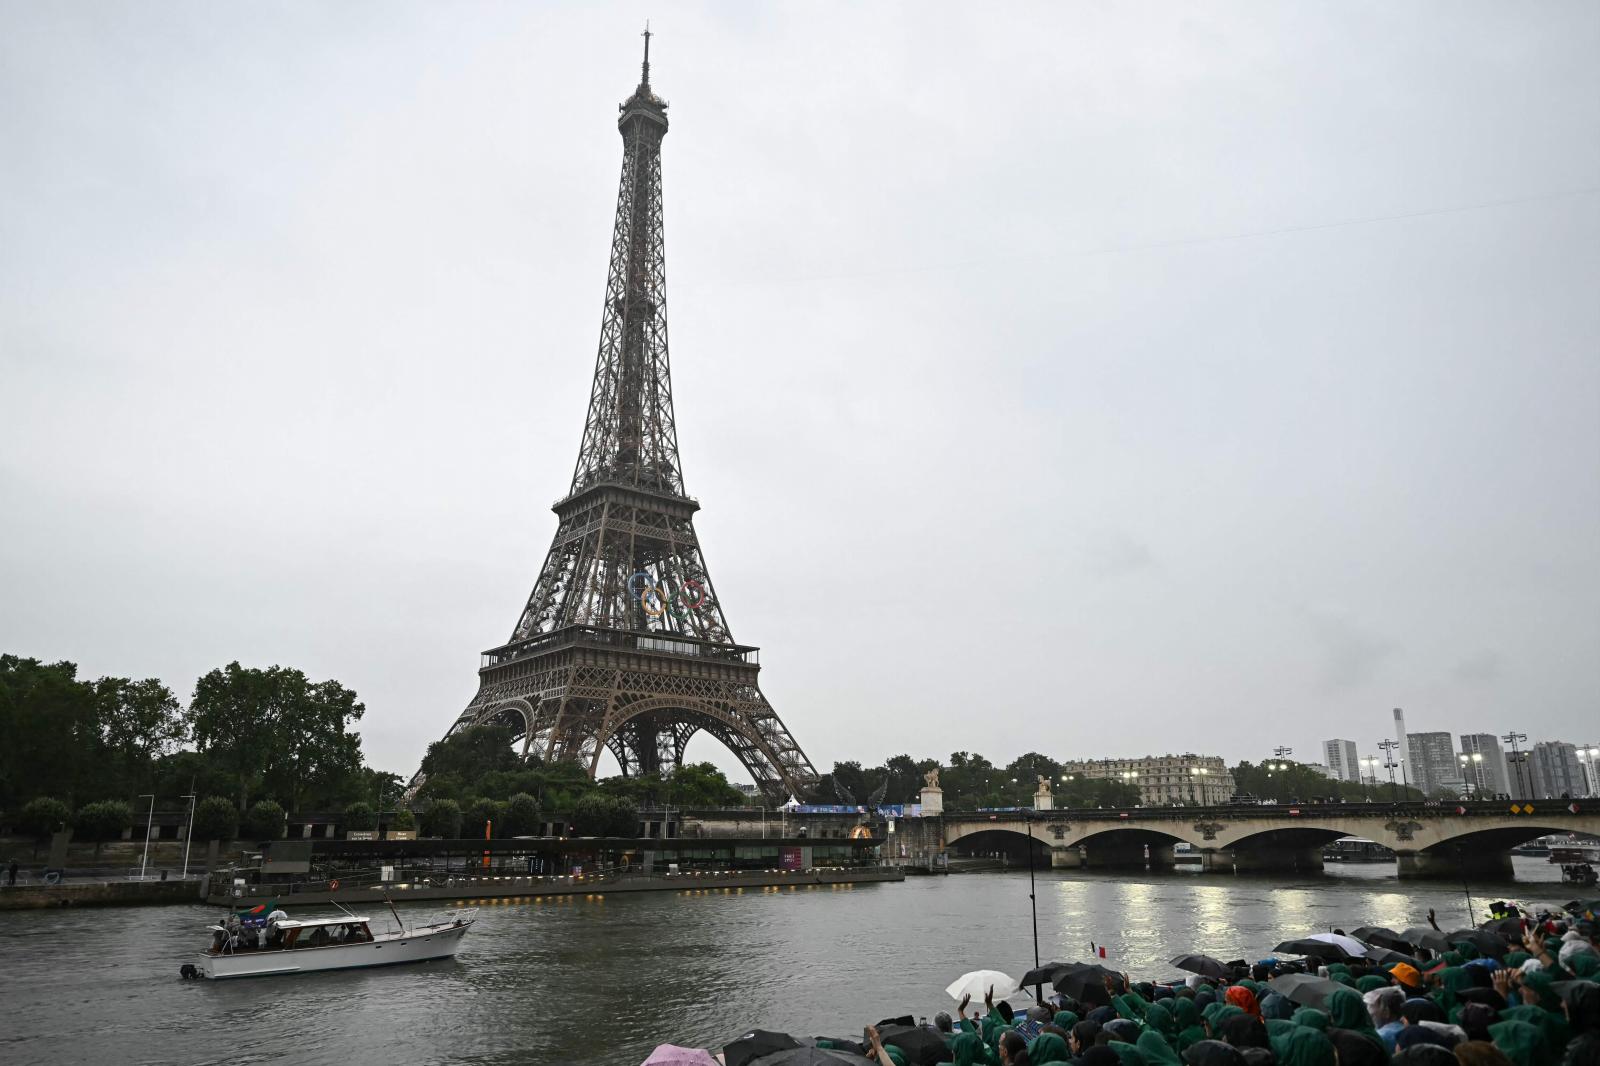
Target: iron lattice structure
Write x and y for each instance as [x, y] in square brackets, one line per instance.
[623, 644]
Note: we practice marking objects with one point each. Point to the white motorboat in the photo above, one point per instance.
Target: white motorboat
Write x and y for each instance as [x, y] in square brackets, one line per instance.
[281, 944]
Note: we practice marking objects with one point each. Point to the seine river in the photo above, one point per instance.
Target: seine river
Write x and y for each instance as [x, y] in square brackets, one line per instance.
[604, 981]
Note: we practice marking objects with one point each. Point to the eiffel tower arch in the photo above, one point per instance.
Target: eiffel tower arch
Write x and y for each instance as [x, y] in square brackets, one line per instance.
[623, 644]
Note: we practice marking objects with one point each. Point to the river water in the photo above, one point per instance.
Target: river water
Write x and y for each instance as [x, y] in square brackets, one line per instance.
[604, 981]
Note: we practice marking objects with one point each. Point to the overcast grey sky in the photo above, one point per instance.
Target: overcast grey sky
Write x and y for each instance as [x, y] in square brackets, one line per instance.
[1089, 378]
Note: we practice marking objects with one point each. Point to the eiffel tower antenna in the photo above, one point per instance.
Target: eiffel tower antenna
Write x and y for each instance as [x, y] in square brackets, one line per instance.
[623, 645]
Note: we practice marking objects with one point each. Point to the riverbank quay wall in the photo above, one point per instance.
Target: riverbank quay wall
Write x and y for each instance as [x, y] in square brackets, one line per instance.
[467, 891]
[98, 894]
[1428, 841]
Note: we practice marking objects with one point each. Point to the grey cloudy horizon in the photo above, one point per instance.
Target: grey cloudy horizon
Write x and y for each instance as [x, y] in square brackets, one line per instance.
[1090, 379]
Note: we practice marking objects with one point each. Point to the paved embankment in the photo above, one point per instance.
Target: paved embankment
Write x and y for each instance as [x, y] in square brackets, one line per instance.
[478, 889]
[98, 894]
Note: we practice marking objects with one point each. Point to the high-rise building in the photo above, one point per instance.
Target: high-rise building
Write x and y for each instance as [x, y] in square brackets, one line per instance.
[1433, 762]
[1589, 756]
[1485, 768]
[1557, 772]
[1340, 756]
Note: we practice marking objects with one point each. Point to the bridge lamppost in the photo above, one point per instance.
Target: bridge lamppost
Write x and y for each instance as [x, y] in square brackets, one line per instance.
[1514, 738]
[1590, 752]
[1470, 763]
[1281, 752]
[1387, 747]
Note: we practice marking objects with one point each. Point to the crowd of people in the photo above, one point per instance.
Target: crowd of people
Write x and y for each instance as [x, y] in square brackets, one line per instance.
[1525, 994]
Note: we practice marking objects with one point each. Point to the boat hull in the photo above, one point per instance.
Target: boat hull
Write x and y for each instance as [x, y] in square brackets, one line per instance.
[418, 946]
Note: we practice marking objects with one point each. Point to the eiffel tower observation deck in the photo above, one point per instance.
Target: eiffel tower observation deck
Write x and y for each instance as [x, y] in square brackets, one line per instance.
[623, 644]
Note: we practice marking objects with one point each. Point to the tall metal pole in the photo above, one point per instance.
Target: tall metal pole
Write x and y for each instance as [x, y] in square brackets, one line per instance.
[1033, 904]
[188, 834]
[148, 822]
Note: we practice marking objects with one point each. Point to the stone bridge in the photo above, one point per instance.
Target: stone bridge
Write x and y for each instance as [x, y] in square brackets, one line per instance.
[1430, 841]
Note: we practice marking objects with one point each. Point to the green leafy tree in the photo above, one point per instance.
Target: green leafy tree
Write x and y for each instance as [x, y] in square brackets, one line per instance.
[139, 722]
[403, 819]
[360, 816]
[42, 817]
[278, 732]
[101, 821]
[457, 766]
[482, 813]
[701, 784]
[266, 821]
[52, 735]
[598, 815]
[442, 819]
[215, 818]
[521, 815]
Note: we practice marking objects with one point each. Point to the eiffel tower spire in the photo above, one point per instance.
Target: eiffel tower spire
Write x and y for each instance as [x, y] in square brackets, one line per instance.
[623, 644]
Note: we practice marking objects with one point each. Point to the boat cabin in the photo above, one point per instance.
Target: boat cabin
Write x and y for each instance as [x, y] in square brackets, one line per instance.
[286, 934]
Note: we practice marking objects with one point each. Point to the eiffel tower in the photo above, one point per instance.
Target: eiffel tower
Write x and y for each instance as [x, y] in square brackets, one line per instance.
[623, 643]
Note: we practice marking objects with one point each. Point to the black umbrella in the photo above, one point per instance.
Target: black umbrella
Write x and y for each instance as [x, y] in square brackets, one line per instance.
[1304, 989]
[922, 1046]
[1386, 958]
[1582, 906]
[805, 1056]
[1086, 983]
[1204, 965]
[754, 1044]
[1422, 937]
[1320, 948]
[1383, 938]
[1043, 975]
[1492, 944]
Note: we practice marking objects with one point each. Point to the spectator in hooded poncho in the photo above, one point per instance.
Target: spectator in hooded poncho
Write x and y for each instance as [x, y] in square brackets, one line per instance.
[1523, 1044]
[1159, 1020]
[1300, 1046]
[1048, 1047]
[1582, 1004]
[1127, 1054]
[1157, 1051]
[1187, 1018]
[1347, 1010]
[1311, 1017]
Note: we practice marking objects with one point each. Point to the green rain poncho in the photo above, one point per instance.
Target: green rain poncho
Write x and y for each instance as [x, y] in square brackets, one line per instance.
[1585, 964]
[968, 1049]
[1347, 1010]
[1156, 1050]
[1541, 982]
[1065, 1019]
[1370, 982]
[1312, 1018]
[1523, 1044]
[1187, 1017]
[1552, 1023]
[1217, 1013]
[1452, 979]
[1158, 1019]
[1128, 1053]
[1048, 1047]
[1300, 1046]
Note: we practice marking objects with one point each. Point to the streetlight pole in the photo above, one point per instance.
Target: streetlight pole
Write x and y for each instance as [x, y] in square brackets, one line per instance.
[148, 822]
[1388, 746]
[1280, 753]
[1513, 738]
[188, 835]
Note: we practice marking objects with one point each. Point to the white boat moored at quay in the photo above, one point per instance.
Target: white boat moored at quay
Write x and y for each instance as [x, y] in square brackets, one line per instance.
[279, 944]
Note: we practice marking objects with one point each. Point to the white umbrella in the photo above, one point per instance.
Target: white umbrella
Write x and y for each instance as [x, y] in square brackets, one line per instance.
[1351, 945]
[977, 984]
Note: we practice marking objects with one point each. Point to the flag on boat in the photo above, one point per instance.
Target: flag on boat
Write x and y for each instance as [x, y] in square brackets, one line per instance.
[257, 915]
